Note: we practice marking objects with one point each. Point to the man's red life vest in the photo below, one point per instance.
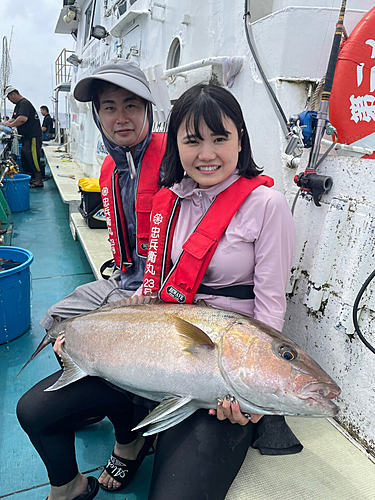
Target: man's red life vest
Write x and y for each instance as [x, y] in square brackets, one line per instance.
[180, 283]
[112, 204]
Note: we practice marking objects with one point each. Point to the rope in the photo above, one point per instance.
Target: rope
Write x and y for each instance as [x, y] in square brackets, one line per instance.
[317, 94]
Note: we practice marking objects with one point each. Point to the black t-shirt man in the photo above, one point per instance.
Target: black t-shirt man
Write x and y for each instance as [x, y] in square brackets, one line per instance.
[48, 124]
[26, 120]
[31, 128]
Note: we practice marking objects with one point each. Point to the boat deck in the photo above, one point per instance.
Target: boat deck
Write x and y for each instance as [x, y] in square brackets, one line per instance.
[329, 468]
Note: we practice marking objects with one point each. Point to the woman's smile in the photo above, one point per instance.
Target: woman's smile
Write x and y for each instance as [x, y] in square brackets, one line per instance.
[208, 168]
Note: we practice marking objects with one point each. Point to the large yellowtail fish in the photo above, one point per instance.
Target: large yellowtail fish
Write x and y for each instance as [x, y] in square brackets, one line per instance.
[187, 356]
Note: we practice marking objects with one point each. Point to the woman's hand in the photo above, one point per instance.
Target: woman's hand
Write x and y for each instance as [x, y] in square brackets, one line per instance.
[230, 409]
[58, 344]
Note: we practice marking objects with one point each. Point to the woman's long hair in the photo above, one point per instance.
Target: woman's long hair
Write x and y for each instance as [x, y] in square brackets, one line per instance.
[212, 104]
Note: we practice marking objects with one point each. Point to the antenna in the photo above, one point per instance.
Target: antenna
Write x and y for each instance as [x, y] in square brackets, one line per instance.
[11, 38]
[5, 72]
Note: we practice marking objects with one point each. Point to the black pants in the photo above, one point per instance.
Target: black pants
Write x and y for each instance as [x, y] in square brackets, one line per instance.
[199, 458]
[30, 155]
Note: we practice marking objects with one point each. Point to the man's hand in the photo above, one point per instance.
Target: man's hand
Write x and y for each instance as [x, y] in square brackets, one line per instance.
[58, 344]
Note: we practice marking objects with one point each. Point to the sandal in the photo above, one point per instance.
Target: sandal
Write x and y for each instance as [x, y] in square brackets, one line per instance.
[37, 185]
[91, 490]
[123, 470]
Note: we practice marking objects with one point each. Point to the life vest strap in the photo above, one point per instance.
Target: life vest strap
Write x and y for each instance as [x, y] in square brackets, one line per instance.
[236, 291]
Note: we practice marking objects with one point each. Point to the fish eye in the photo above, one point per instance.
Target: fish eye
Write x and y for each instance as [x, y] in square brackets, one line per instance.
[287, 352]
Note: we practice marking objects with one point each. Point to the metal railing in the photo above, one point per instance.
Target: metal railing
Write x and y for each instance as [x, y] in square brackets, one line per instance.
[63, 69]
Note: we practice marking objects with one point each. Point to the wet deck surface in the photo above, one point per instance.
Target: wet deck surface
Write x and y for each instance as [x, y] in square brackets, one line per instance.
[59, 266]
[329, 468]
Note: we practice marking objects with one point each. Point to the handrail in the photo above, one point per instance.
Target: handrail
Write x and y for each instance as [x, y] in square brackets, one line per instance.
[63, 68]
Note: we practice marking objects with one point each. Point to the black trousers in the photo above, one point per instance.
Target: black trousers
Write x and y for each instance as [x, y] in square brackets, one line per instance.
[30, 154]
[199, 458]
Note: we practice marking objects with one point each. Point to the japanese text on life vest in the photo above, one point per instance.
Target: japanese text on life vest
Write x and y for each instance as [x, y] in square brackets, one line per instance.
[149, 283]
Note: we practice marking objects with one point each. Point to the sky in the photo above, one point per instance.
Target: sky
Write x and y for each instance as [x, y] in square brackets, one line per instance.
[34, 46]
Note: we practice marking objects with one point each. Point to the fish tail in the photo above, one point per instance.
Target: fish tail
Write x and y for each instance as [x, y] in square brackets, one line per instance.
[45, 341]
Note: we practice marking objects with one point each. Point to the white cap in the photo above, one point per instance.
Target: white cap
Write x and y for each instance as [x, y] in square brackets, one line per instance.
[8, 90]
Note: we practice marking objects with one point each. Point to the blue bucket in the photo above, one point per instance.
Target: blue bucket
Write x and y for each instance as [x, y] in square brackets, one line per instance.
[15, 287]
[17, 192]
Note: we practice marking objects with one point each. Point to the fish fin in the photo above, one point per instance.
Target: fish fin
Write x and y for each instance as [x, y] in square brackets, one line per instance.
[71, 373]
[163, 410]
[192, 336]
[45, 341]
[167, 423]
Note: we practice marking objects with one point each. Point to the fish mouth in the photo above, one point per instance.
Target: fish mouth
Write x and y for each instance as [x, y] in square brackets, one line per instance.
[322, 393]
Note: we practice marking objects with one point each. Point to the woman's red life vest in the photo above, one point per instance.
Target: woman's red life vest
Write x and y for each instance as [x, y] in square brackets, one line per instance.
[112, 204]
[180, 283]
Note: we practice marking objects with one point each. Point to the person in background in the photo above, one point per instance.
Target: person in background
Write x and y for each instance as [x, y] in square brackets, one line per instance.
[26, 119]
[47, 125]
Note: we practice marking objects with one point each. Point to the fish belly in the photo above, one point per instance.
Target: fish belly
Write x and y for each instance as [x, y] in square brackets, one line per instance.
[142, 353]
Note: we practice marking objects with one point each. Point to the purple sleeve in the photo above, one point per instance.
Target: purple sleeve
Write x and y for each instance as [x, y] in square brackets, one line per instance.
[273, 259]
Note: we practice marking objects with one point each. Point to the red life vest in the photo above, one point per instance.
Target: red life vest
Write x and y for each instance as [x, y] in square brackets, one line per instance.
[111, 197]
[180, 283]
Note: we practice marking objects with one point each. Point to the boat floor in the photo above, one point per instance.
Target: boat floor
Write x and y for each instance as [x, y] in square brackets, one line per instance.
[329, 468]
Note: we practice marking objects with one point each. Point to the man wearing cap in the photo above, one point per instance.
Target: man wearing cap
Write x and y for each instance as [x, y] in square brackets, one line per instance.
[26, 119]
[122, 110]
[121, 106]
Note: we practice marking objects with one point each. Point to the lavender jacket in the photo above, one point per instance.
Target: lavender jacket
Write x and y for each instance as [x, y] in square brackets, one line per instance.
[257, 248]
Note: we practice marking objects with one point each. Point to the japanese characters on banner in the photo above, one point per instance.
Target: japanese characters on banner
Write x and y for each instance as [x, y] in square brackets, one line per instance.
[363, 107]
[352, 102]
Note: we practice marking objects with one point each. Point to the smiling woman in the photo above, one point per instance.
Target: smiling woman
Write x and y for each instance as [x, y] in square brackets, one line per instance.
[218, 234]
[207, 120]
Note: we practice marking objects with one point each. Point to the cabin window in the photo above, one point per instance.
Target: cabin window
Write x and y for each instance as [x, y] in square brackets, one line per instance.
[174, 54]
[92, 18]
[124, 6]
[88, 15]
[96, 16]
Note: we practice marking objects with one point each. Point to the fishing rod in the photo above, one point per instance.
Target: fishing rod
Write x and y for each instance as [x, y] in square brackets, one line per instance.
[275, 102]
[309, 180]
